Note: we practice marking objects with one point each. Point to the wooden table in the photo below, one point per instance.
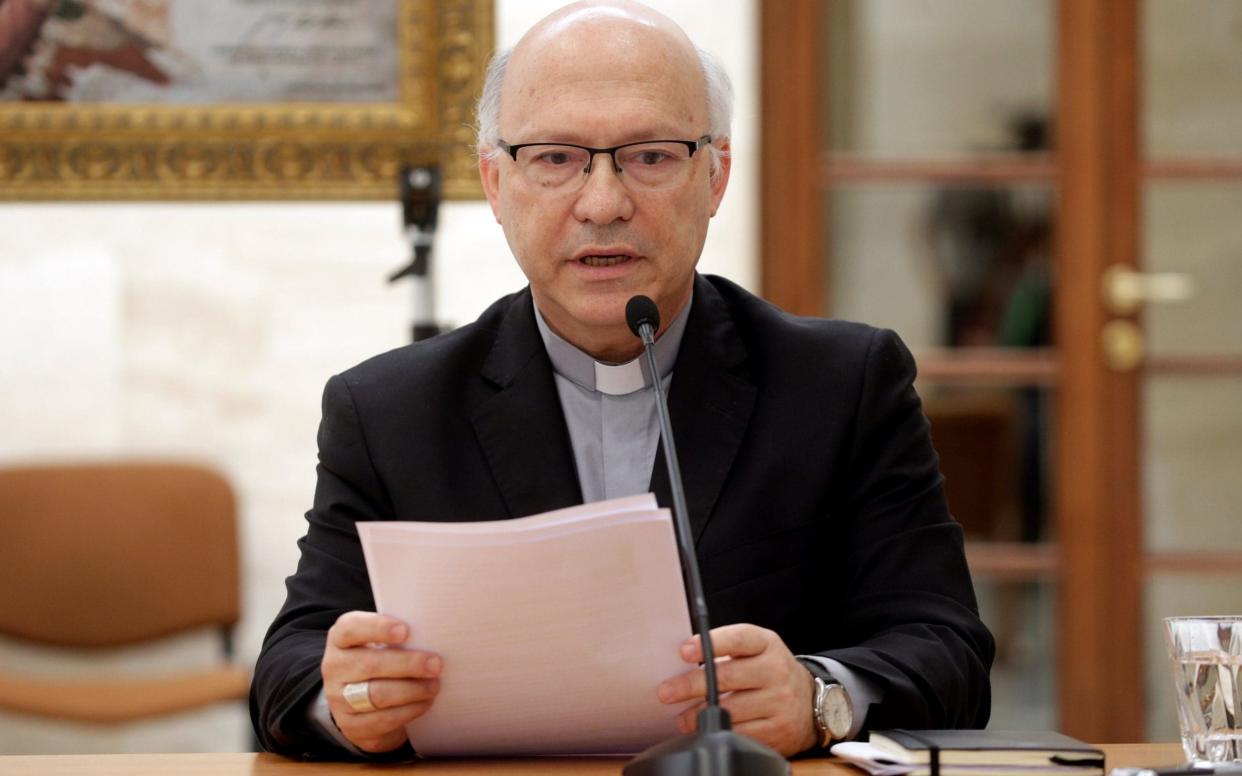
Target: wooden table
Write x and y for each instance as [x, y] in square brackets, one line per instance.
[270, 765]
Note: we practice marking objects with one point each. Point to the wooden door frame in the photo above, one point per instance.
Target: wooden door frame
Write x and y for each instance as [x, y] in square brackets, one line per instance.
[1095, 496]
[791, 236]
[1096, 480]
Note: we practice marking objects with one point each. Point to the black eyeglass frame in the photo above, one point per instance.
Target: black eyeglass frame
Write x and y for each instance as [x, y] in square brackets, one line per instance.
[692, 145]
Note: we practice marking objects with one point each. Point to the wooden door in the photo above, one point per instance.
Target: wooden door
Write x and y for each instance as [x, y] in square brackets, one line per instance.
[1094, 559]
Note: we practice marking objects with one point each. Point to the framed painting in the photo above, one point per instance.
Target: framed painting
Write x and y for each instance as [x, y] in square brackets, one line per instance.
[237, 99]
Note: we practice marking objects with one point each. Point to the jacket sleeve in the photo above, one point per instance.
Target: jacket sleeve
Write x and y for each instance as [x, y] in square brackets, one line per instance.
[331, 579]
[910, 612]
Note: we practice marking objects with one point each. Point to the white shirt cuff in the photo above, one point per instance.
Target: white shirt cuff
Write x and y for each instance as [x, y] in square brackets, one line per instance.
[321, 716]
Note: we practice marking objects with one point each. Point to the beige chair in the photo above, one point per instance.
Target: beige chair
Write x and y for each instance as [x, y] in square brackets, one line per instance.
[113, 555]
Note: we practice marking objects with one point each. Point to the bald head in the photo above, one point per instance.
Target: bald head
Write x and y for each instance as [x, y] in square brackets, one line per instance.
[618, 14]
[608, 50]
[622, 34]
[596, 45]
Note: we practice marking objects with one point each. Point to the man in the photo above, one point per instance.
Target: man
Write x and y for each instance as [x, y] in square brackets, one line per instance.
[832, 567]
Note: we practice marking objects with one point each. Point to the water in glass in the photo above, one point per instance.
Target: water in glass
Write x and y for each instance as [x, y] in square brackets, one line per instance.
[1207, 670]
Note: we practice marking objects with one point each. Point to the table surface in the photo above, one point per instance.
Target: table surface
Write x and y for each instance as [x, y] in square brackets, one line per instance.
[1152, 755]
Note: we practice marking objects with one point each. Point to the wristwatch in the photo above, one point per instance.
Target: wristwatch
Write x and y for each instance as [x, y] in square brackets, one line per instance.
[833, 711]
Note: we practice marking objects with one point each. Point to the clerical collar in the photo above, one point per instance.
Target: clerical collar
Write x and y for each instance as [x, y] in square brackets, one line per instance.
[613, 379]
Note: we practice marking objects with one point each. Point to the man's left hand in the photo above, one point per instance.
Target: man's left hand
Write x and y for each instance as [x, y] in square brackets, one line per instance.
[769, 691]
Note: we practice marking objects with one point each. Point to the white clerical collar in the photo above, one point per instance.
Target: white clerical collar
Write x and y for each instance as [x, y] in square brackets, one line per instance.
[612, 379]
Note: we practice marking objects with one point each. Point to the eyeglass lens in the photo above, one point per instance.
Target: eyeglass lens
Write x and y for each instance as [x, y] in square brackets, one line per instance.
[648, 165]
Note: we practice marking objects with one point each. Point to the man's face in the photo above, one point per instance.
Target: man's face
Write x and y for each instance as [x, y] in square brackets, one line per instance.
[602, 90]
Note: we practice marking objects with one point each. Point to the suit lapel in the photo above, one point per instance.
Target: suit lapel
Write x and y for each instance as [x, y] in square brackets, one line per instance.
[710, 403]
[521, 427]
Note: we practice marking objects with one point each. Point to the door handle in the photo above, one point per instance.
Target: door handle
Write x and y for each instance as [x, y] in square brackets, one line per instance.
[1123, 345]
[1125, 290]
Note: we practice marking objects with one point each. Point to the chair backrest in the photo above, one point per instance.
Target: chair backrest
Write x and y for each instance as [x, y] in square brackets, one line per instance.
[976, 437]
[112, 554]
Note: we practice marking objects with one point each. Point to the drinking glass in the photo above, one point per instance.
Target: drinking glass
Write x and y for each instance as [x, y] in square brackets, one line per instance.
[1206, 653]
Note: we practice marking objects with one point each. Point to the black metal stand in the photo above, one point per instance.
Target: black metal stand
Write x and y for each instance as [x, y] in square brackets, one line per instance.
[712, 750]
[420, 203]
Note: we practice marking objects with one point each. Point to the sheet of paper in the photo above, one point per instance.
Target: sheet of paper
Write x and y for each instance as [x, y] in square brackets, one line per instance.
[555, 629]
[870, 758]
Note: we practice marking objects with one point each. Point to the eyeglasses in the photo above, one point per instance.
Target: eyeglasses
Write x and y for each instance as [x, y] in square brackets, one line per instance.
[564, 167]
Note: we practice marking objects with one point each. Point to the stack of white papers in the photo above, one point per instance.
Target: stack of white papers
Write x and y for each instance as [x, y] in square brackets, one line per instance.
[555, 629]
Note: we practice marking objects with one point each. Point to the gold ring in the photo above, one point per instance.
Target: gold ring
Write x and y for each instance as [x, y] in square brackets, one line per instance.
[358, 696]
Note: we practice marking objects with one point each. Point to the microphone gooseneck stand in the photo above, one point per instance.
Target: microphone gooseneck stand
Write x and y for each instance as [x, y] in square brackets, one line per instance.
[420, 202]
[714, 749]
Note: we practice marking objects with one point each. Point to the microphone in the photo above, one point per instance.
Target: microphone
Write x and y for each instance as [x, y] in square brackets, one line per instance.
[640, 311]
[714, 749]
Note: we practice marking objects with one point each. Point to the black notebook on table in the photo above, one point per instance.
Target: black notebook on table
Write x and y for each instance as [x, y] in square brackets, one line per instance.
[983, 752]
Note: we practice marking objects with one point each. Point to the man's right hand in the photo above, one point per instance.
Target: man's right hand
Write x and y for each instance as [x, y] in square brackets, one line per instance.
[362, 647]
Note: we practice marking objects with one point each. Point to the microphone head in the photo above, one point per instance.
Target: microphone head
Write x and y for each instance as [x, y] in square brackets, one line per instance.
[641, 310]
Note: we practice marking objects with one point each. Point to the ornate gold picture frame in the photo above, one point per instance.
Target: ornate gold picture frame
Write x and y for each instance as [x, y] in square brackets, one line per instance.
[266, 151]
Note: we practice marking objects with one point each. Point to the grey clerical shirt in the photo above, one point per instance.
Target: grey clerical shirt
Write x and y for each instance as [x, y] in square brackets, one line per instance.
[610, 414]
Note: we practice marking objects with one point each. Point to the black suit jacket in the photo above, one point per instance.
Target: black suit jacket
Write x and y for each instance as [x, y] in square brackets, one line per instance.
[814, 493]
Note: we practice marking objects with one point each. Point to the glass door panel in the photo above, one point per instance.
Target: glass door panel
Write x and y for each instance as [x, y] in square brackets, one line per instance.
[1192, 68]
[927, 78]
[1192, 461]
[1194, 229]
[946, 265]
[1022, 616]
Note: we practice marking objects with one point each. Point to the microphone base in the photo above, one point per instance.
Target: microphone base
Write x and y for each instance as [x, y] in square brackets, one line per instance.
[713, 752]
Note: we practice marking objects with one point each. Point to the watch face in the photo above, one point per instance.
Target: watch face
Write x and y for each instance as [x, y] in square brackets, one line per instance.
[838, 713]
